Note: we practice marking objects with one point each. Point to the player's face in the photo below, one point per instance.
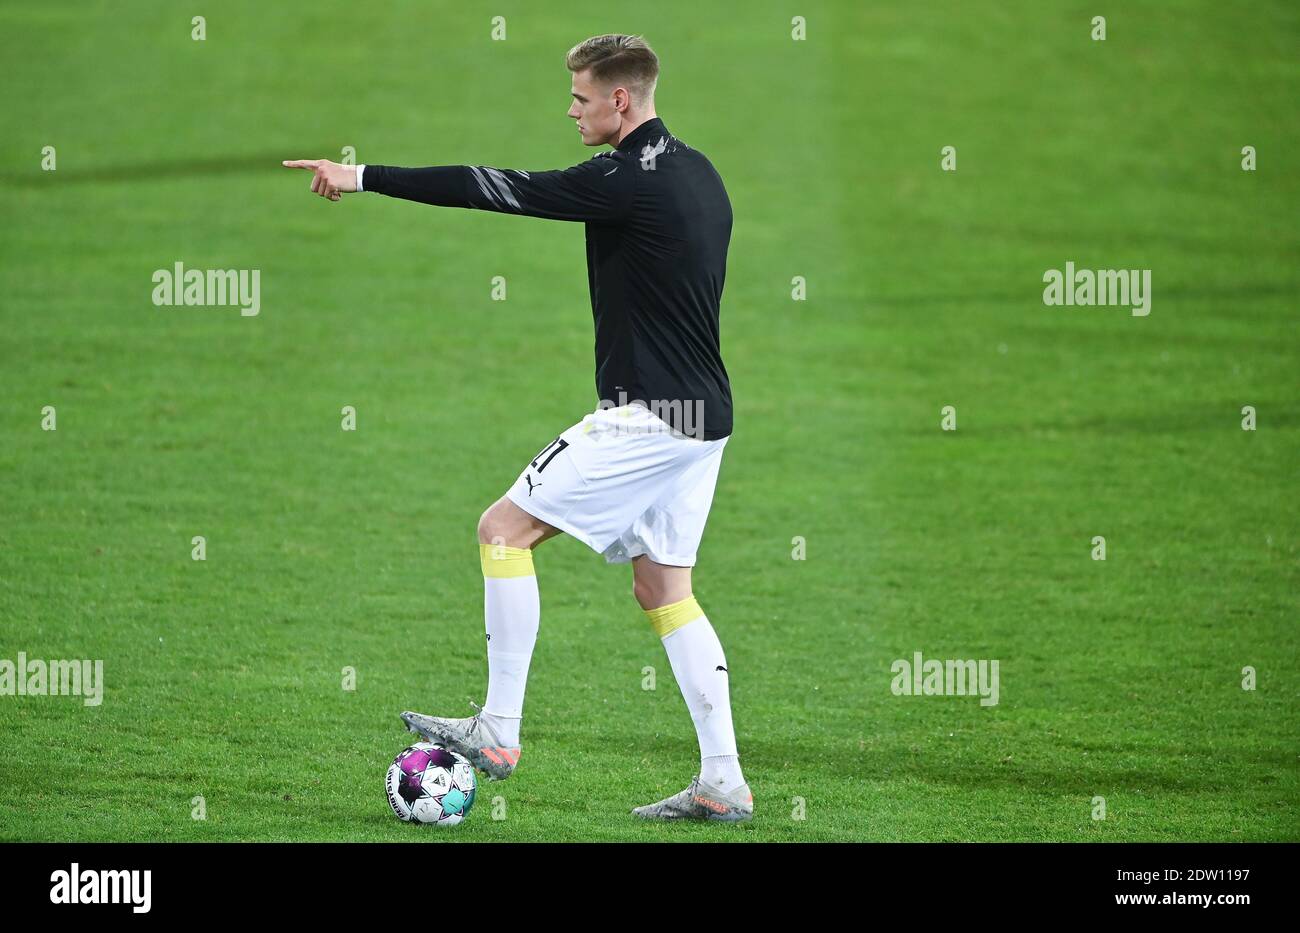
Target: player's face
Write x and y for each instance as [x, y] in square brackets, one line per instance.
[596, 110]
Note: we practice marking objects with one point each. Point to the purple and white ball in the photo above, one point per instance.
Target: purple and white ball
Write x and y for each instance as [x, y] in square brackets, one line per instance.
[427, 783]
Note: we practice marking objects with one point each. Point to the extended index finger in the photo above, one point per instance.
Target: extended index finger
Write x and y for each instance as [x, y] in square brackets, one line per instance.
[301, 163]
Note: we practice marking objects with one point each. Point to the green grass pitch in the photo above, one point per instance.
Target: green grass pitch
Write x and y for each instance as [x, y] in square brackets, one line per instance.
[327, 549]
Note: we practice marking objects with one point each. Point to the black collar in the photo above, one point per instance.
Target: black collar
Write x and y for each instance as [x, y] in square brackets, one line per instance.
[651, 129]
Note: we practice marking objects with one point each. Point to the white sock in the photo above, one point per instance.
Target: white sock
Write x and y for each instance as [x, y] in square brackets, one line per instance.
[505, 727]
[701, 671]
[511, 615]
[722, 771]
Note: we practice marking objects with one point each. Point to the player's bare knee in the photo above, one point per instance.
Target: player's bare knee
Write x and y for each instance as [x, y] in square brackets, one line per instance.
[658, 585]
[491, 529]
[646, 594]
[505, 523]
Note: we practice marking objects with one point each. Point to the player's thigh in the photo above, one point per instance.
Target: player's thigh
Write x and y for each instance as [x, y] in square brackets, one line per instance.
[508, 524]
[655, 585]
[669, 532]
[593, 480]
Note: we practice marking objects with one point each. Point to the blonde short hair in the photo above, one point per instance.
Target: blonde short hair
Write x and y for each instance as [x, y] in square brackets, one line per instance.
[618, 60]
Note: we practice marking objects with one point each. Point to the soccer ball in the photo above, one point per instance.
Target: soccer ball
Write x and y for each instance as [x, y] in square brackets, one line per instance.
[427, 783]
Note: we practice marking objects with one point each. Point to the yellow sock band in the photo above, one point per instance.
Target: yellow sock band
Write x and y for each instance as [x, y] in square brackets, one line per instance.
[669, 618]
[501, 561]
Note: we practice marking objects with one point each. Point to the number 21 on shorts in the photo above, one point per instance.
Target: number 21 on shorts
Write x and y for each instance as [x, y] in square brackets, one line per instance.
[558, 444]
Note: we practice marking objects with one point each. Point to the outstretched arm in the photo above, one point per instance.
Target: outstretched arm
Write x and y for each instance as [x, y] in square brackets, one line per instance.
[598, 190]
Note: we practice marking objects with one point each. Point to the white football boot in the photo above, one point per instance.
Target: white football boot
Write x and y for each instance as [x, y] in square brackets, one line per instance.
[471, 737]
[702, 801]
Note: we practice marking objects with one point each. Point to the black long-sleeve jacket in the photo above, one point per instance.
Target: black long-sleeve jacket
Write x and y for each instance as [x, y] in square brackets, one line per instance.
[658, 225]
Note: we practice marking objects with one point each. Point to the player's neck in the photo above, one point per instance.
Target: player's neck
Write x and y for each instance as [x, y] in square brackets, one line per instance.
[630, 126]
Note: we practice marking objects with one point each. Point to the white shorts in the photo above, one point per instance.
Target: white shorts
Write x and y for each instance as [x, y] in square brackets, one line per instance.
[621, 483]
